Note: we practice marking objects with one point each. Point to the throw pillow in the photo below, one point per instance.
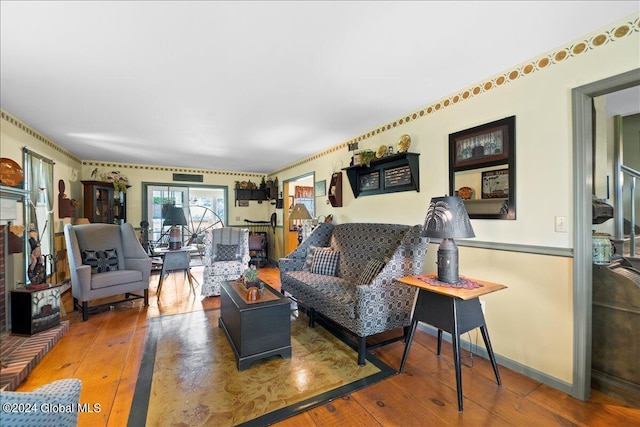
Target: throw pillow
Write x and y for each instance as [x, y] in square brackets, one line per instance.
[100, 261]
[371, 270]
[308, 260]
[325, 261]
[226, 252]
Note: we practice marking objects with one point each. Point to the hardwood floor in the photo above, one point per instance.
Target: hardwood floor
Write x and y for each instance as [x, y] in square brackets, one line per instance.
[105, 353]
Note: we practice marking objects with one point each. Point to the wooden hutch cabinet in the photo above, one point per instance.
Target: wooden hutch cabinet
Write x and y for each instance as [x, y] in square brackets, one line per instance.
[103, 203]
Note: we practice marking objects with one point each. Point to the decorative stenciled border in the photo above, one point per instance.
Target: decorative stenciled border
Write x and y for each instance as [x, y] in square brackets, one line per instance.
[169, 169]
[37, 135]
[541, 63]
[571, 51]
[11, 119]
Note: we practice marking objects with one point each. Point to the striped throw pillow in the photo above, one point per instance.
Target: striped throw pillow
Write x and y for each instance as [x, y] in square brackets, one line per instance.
[369, 273]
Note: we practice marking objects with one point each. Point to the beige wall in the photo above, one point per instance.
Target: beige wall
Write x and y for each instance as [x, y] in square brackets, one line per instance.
[531, 322]
[139, 174]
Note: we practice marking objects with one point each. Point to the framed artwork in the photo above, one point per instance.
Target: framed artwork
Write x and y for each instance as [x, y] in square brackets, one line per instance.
[481, 146]
[495, 184]
[320, 188]
[370, 181]
[483, 159]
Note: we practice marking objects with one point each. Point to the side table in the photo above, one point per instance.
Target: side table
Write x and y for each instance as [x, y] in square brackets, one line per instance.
[454, 310]
[35, 308]
[174, 260]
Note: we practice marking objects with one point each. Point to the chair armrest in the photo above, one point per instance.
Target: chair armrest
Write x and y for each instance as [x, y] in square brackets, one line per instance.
[139, 264]
[81, 280]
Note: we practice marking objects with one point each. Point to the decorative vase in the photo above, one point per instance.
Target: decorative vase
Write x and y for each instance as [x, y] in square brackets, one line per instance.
[601, 245]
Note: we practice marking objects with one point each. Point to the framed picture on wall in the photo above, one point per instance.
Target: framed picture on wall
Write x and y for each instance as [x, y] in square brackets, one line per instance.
[320, 188]
[495, 184]
[481, 146]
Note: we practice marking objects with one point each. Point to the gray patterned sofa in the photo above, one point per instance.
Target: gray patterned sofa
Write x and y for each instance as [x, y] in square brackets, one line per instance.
[346, 273]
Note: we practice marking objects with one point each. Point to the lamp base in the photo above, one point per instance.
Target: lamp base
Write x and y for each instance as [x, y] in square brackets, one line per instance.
[448, 262]
[175, 238]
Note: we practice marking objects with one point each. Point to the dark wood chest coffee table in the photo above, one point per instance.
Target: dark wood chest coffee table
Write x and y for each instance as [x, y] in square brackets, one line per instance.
[255, 329]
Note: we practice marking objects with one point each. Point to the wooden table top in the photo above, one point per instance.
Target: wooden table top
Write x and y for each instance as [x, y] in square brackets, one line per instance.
[462, 293]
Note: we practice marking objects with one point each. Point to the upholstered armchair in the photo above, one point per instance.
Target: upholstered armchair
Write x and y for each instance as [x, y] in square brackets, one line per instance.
[106, 260]
[226, 257]
[56, 405]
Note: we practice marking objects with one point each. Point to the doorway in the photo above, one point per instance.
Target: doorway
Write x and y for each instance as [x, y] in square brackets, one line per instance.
[296, 190]
[582, 101]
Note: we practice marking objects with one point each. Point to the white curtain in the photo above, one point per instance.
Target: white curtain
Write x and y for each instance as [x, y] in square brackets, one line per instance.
[39, 206]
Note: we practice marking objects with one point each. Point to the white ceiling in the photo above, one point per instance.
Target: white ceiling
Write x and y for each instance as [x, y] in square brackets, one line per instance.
[255, 86]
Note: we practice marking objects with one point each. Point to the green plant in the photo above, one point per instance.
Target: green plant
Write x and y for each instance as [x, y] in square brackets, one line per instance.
[366, 156]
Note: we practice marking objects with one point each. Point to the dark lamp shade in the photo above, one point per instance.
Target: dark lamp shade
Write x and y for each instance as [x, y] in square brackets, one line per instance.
[447, 218]
[300, 212]
[174, 216]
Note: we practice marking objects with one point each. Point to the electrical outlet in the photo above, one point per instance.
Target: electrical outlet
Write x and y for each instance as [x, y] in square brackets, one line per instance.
[482, 305]
[561, 224]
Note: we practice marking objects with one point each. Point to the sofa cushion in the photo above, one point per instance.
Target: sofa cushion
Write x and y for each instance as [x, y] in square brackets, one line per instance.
[372, 269]
[115, 278]
[330, 295]
[226, 252]
[100, 261]
[325, 261]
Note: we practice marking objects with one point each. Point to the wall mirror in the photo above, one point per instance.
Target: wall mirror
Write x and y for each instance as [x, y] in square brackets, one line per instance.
[482, 169]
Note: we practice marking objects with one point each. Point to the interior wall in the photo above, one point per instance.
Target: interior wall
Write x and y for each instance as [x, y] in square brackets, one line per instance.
[137, 174]
[16, 134]
[535, 312]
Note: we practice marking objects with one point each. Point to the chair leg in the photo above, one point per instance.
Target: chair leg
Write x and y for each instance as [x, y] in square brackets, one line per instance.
[85, 311]
[362, 350]
[312, 317]
[75, 304]
[146, 297]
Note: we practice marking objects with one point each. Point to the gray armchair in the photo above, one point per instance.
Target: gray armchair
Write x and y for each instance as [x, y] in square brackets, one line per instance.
[226, 257]
[106, 260]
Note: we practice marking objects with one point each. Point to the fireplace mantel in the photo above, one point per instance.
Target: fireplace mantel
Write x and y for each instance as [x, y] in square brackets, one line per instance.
[9, 196]
[9, 199]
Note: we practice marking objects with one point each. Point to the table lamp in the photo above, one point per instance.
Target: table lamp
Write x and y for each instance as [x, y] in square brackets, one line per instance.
[174, 217]
[300, 212]
[447, 219]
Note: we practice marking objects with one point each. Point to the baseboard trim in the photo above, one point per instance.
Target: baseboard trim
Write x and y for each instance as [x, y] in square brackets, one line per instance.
[503, 361]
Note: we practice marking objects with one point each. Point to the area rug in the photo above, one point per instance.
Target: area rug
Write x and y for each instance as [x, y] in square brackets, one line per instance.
[188, 375]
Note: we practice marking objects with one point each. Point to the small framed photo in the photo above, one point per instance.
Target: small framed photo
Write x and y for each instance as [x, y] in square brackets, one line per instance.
[320, 188]
[495, 184]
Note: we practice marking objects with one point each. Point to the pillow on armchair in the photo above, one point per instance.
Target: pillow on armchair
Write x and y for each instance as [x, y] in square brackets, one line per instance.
[226, 252]
[100, 261]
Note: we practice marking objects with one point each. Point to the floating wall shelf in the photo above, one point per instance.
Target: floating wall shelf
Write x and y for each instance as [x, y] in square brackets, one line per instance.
[391, 174]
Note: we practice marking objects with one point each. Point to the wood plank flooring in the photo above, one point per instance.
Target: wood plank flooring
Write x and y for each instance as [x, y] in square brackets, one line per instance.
[105, 353]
